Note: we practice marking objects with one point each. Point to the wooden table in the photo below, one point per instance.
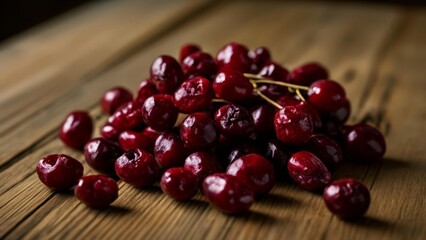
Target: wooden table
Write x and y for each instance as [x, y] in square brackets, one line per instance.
[378, 52]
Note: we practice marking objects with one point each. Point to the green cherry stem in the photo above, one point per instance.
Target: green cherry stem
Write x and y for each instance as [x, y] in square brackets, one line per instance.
[257, 79]
[266, 98]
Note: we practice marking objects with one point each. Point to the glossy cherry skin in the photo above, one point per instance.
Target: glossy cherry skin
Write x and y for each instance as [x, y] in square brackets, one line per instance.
[287, 100]
[307, 74]
[315, 115]
[254, 171]
[234, 57]
[227, 193]
[241, 150]
[131, 140]
[59, 171]
[202, 164]
[159, 112]
[187, 50]
[347, 198]
[101, 154]
[96, 191]
[169, 150]
[138, 168]
[150, 136]
[263, 118]
[194, 95]
[363, 143]
[109, 132]
[279, 154]
[341, 115]
[166, 74]
[259, 57]
[199, 64]
[127, 117]
[234, 121]
[326, 95]
[274, 71]
[115, 98]
[293, 125]
[146, 90]
[179, 183]
[308, 171]
[233, 86]
[76, 130]
[199, 132]
[326, 149]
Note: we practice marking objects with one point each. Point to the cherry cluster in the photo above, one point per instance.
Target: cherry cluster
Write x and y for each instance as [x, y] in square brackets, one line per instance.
[229, 126]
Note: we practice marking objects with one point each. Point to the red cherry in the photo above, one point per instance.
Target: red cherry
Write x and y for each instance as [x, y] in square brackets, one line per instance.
[96, 191]
[166, 74]
[194, 95]
[131, 140]
[101, 154]
[259, 57]
[146, 90]
[263, 118]
[326, 95]
[199, 64]
[233, 87]
[127, 117]
[169, 150]
[187, 50]
[199, 132]
[159, 112]
[307, 74]
[234, 121]
[234, 56]
[364, 143]
[179, 183]
[76, 130]
[202, 164]
[326, 149]
[115, 98]
[293, 125]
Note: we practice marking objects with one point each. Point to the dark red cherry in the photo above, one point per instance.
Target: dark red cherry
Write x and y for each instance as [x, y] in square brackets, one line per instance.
[166, 74]
[233, 87]
[263, 118]
[307, 74]
[59, 171]
[234, 57]
[227, 193]
[76, 130]
[96, 191]
[115, 98]
[259, 57]
[308, 171]
[198, 131]
[279, 154]
[179, 183]
[150, 136]
[159, 112]
[363, 143]
[241, 150]
[101, 154]
[138, 168]
[326, 149]
[131, 140]
[326, 95]
[194, 95]
[169, 150]
[342, 114]
[146, 90]
[202, 164]
[187, 50]
[315, 115]
[199, 64]
[254, 171]
[287, 100]
[127, 117]
[277, 72]
[347, 198]
[293, 125]
[234, 121]
[109, 132]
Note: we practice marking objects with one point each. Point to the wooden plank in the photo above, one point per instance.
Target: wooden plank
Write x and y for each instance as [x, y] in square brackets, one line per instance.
[43, 64]
[288, 212]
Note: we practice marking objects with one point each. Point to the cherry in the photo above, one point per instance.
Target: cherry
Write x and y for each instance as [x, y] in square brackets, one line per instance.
[166, 74]
[233, 86]
[96, 191]
[127, 117]
[179, 183]
[227, 193]
[202, 164]
[326, 95]
[76, 130]
[150, 136]
[187, 50]
[364, 143]
[293, 125]
[308, 171]
[307, 74]
[347, 198]
[138, 168]
[241, 150]
[287, 100]
[315, 115]
[169, 150]
[199, 64]
[263, 118]
[109, 132]
[198, 131]
[194, 95]
[254, 171]
[101, 154]
[259, 57]
[326, 149]
[131, 140]
[115, 98]
[59, 171]
[159, 112]
[234, 56]
[234, 121]
[279, 154]
[341, 114]
[146, 90]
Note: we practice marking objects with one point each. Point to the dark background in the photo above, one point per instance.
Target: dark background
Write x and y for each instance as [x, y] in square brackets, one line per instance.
[18, 15]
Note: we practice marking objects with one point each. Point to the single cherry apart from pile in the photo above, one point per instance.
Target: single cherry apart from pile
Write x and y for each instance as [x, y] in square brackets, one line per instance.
[229, 126]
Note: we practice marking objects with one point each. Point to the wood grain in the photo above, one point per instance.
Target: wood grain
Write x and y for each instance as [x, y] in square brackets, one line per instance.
[377, 52]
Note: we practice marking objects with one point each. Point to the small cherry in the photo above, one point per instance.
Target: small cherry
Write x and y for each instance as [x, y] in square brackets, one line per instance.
[114, 98]
[76, 130]
[179, 183]
[96, 191]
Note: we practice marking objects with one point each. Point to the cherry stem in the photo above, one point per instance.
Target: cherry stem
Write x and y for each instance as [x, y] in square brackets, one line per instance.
[266, 98]
[219, 100]
[300, 95]
[257, 79]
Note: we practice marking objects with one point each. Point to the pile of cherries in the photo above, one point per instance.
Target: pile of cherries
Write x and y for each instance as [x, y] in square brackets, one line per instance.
[229, 126]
